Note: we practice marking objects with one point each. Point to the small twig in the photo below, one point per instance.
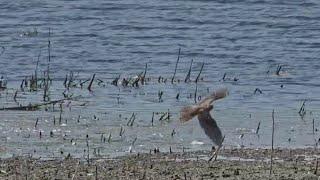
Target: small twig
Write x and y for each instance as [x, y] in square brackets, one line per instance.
[160, 93]
[200, 72]
[195, 94]
[101, 138]
[302, 111]
[88, 160]
[133, 116]
[169, 115]
[89, 87]
[162, 117]
[115, 81]
[60, 115]
[316, 170]
[99, 81]
[49, 44]
[81, 83]
[134, 141]
[15, 96]
[187, 79]
[224, 76]
[175, 69]
[22, 85]
[173, 132]
[47, 80]
[257, 90]
[36, 71]
[70, 79]
[258, 128]
[144, 74]
[278, 70]
[121, 131]
[3, 49]
[36, 123]
[65, 81]
[135, 83]
[152, 119]
[313, 126]
[271, 161]
[109, 138]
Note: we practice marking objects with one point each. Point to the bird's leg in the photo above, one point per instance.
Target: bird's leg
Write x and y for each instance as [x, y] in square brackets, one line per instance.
[215, 153]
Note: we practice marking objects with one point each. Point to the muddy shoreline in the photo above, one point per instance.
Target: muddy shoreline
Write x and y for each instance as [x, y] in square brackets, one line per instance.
[230, 164]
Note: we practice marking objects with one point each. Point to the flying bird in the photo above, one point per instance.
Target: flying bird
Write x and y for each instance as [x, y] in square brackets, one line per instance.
[202, 109]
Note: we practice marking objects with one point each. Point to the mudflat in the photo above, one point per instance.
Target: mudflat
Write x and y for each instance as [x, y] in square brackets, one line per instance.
[230, 164]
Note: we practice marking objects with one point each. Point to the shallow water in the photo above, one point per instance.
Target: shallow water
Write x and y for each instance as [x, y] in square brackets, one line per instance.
[244, 39]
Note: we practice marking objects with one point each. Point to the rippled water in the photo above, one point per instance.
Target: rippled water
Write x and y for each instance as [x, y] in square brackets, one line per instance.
[247, 40]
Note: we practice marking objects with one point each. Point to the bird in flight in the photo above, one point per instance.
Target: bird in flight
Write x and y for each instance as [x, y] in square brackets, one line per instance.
[202, 109]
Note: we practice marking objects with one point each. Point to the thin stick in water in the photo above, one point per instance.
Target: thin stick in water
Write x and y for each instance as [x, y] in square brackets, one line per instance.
[313, 126]
[200, 72]
[15, 96]
[3, 49]
[271, 161]
[187, 79]
[144, 74]
[317, 165]
[152, 119]
[175, 69]
[89, 87]
[88, 160]
[258, 128]
[195, 94]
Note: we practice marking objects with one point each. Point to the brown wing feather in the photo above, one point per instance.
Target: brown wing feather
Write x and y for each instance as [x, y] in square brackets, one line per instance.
[219, 94]
[188, 112]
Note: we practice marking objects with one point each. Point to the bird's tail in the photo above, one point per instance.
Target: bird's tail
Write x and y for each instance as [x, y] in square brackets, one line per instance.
[188, 112]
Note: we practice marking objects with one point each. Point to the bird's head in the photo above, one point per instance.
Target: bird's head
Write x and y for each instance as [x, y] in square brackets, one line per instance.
[209, 107]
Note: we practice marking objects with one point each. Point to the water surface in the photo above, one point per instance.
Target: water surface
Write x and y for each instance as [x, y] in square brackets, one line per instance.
[247, 40]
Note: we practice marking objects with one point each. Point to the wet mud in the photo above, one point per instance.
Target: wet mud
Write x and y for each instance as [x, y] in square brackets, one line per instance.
[230, 164]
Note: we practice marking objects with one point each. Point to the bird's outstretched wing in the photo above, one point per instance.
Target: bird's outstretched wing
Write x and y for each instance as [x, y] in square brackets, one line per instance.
[188, 112]
[218, 94]
[210, 127]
